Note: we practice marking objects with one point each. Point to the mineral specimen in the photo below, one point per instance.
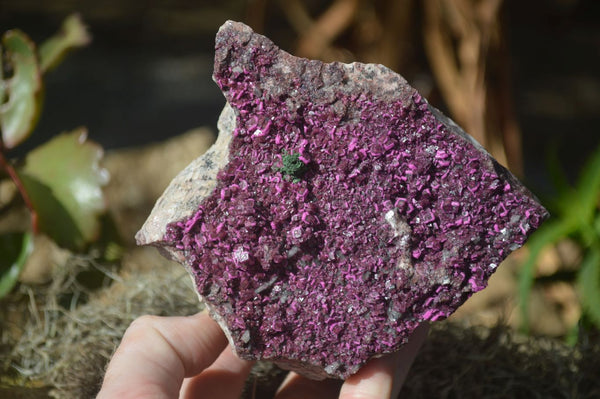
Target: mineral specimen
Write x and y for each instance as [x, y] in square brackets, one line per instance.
[336, 212]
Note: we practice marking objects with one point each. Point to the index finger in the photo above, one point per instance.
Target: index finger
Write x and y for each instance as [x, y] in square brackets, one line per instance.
[383, 377]
[157, 353]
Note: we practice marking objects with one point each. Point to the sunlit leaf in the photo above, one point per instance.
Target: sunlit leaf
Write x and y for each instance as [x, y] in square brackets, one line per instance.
[588, 186]
[556, 172]
[575, 215]
[64, 181]
[72, 34]
[15, 248]
[589, 284]
[550, 233]
[19, 114]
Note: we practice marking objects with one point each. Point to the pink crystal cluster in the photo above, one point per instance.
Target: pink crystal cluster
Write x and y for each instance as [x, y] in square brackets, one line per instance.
[395, 220]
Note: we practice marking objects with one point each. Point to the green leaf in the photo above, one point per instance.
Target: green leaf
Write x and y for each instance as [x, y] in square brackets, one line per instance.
[588, 187]
[588, 281]
[19, 114]
[556, 172]
[552, 231]
[15, 248]
[64, 182]
[72, 34]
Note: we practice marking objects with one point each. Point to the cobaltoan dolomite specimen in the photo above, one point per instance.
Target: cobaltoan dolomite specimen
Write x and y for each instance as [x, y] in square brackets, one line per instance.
[336, 212]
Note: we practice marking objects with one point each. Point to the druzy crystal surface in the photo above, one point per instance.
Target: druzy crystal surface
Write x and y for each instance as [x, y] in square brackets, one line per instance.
[347, 211]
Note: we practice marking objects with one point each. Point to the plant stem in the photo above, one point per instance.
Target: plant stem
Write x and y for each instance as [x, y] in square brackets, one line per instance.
[12, 173]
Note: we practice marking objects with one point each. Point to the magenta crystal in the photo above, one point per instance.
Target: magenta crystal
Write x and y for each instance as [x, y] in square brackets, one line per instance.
[393, 217]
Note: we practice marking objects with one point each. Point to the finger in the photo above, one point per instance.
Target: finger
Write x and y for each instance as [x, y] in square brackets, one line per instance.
[296, 386]
[373, 381]
[383, 377]
[224, 379]
[156, 353]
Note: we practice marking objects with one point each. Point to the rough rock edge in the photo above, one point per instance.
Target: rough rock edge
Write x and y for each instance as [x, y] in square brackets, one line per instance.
[197, 181]
[183, 196]
[186, 191]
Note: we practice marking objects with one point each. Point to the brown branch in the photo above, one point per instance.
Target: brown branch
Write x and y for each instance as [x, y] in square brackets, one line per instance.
[297, 16]
[315, 42]
[509, 125]
[472, 64]
[458, 37]
[255, 14]
[14, 176]
[438, 47]
[395, 40]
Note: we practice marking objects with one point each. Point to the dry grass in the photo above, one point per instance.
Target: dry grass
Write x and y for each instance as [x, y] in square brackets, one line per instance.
[472, 362]
[70, 332]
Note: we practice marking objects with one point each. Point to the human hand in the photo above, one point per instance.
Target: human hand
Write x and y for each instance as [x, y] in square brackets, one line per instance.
[188, 357]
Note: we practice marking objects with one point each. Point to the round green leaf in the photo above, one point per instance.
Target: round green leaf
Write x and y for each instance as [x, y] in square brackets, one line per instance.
[15, 248]
[19, 114]
[64, 181]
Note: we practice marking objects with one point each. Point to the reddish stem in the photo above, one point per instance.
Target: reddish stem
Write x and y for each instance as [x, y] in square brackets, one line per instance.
[12, 173]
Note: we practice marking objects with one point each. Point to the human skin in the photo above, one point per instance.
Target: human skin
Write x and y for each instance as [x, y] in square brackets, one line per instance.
[188, 357]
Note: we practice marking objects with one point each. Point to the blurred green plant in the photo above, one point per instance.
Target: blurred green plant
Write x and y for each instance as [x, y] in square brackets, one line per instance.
[60, 181]
[15, 248]
[576, 215]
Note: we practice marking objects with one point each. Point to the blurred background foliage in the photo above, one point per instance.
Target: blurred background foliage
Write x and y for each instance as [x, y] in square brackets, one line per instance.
[521, 77]
[60, 181]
